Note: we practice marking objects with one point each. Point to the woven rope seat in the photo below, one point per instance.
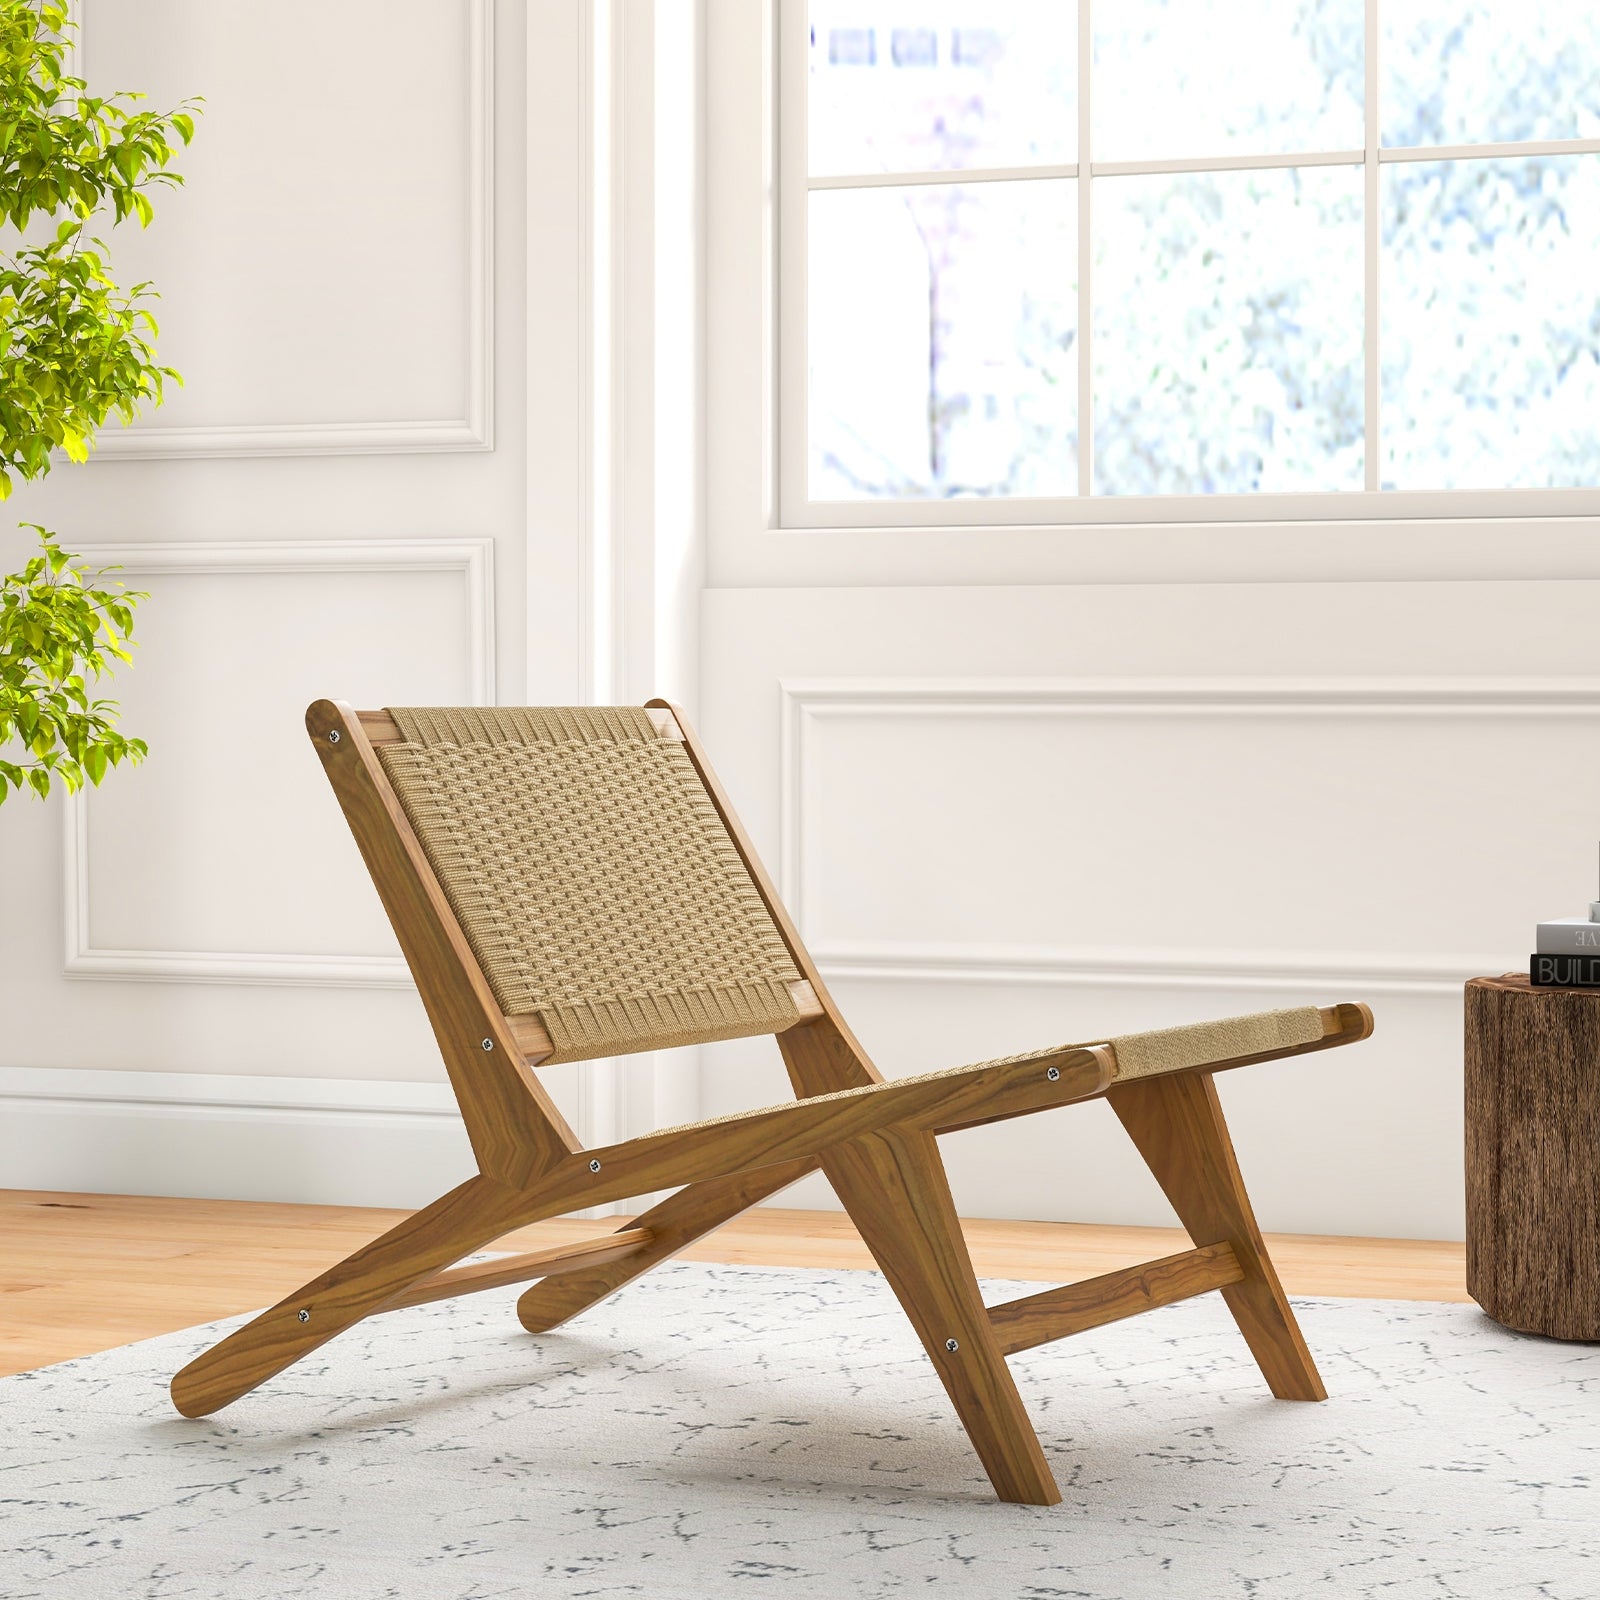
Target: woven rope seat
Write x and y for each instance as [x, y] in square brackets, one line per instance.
[591, 875]
[1138, 1055]
[1147, 1055]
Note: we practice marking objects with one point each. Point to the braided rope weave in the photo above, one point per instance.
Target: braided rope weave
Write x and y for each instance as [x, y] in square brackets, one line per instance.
[1196, 1044]
[592, 876]
[1139, 1055]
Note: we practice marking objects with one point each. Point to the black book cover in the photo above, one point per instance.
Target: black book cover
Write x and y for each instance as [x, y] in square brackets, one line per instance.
[1564, 972]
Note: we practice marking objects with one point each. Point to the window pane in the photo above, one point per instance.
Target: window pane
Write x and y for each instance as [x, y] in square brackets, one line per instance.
[1485, 71]
[1228, 332]
[942, 84]
[943, 340]
[1491, 324]
[1175, 78]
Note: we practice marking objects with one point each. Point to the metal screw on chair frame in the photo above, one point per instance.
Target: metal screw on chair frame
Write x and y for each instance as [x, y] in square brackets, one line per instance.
[488, 1044]
[333, 736]
[952, 1344]
[1052, 1073]
[594, 1166]
[305, 1316]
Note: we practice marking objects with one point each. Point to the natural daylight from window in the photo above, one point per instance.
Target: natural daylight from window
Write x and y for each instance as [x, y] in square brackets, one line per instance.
[1233, 304]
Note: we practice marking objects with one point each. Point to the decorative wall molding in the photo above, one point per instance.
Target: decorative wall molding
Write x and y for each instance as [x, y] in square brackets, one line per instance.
[60, 1087]
[475, 430]
[472, 558]
[318, 1141]
[1108, 967]
[73, 59]
[807, 702]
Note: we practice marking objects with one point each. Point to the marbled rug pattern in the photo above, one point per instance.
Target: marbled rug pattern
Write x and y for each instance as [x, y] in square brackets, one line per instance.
[718, 1431]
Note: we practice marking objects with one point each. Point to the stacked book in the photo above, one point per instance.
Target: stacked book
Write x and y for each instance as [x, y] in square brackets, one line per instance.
[1567, 952]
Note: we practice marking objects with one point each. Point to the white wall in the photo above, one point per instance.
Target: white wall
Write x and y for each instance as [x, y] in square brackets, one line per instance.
[200, 991]
[1008, 817]
[434, 283]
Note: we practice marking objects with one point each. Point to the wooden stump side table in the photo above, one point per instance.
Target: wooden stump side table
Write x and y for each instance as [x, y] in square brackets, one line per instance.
[1533, 1155]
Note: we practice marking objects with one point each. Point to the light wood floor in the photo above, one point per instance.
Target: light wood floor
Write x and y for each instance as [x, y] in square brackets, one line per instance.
[86, 1272]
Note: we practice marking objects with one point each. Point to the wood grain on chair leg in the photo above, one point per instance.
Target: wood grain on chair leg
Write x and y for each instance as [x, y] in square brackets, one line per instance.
[1177, 1124]
[677, 1222]
[893, 1185]
[469, 1217]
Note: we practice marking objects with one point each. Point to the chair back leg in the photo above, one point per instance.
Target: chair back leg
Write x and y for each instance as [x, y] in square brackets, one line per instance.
[1177, 1124]
[893, 1185]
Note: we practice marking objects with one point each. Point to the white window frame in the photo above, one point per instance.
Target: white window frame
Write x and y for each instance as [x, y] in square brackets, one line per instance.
[791, 447]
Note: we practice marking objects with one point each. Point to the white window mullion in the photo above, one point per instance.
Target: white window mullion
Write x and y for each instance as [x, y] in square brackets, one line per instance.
[1490, 152]
[1256, 163]
[902, 180]
[1085, 257]
[1372, 224]
[913, 177]
[786, 267]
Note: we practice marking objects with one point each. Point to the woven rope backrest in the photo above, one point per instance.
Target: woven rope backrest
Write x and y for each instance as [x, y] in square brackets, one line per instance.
[592, 876]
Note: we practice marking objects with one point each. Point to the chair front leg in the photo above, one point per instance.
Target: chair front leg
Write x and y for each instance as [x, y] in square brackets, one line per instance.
[1177, 1124]
[893, 1185]
[464, 1220]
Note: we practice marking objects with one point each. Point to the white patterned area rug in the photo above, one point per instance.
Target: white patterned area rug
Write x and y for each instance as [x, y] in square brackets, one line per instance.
[719, 1431]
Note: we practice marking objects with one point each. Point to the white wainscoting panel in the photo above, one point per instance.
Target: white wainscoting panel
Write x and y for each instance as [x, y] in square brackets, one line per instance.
[224, 857]
[990, 864]
[218, 1136]
[327, 272]
[1194, 833]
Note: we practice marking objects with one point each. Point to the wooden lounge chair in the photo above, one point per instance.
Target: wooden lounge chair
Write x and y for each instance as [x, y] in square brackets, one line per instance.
[570, 883]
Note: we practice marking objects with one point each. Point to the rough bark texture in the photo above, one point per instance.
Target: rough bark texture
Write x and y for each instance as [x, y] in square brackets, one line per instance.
[1533, 1155]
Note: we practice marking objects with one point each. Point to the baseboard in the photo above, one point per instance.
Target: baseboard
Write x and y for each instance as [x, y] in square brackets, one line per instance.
[318, 1141]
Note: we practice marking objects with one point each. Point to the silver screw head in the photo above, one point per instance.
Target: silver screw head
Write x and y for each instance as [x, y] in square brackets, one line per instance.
[304, 1316]
[488, 1044]
[952, 1345]
[594, 1166]
[333, 736]
[1052, 1073]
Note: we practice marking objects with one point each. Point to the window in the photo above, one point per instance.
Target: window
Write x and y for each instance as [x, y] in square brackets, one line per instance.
[1056, 254]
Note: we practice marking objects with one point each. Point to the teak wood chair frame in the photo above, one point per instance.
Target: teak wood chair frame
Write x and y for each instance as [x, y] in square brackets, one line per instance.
[874, 1140]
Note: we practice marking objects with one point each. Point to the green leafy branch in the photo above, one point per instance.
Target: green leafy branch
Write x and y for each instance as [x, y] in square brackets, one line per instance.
[75, 347]
[62, 148]
[58, 633]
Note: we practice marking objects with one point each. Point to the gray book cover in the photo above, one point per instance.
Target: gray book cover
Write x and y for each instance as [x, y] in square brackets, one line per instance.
[1568, 936]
